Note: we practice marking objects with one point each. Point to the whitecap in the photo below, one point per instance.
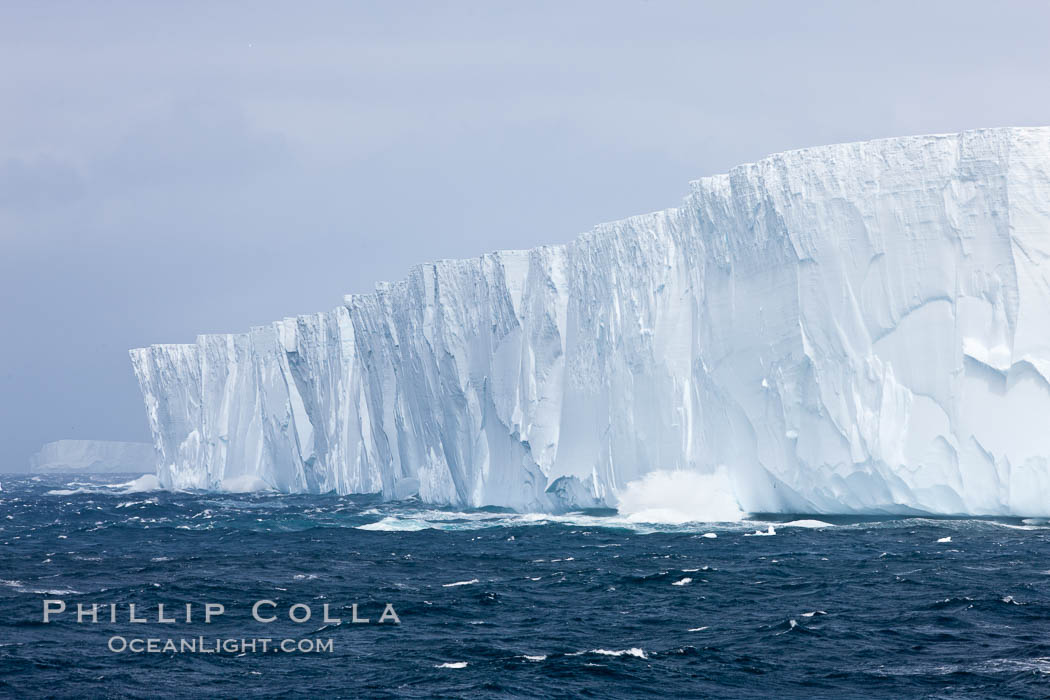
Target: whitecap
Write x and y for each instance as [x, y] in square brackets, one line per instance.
[459, 583]
[52, 591]
[633, 651]
[394, 524]
[682, 582]
[21, 588]
[414, 520]
[539, 657]
[128, 504]
[452, 664]
[146, 482]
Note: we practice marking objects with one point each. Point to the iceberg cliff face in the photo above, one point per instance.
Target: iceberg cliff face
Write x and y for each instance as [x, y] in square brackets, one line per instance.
[852, 328]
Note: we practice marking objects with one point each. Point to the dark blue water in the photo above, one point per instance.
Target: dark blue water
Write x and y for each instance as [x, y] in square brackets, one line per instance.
[585, 605]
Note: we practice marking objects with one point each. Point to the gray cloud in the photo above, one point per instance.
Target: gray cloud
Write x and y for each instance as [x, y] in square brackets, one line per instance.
[33, 183]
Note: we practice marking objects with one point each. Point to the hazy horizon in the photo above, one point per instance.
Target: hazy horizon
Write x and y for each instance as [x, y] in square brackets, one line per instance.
[169, 171]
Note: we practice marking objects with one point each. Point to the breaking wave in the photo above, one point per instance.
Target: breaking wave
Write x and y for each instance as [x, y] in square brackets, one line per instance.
[676, 497]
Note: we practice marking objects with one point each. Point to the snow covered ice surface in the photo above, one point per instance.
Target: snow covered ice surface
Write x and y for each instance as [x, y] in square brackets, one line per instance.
[852, 328]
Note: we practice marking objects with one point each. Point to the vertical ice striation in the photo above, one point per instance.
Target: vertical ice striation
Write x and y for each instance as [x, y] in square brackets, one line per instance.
[852, 328]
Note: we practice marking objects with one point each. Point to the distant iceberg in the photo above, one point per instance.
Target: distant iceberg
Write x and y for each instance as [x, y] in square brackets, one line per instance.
[94, 457]
[856, 328]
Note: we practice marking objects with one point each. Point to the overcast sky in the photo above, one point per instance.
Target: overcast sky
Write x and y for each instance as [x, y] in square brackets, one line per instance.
[168, 169]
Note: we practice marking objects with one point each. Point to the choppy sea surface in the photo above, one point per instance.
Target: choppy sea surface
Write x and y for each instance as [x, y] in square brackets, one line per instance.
[497, 604]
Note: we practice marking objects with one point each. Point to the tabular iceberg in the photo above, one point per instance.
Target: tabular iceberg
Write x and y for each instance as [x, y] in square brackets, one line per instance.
[93, 457]
[852, 328]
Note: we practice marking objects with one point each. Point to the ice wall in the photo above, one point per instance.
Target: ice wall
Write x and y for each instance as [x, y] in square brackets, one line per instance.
[852, 328]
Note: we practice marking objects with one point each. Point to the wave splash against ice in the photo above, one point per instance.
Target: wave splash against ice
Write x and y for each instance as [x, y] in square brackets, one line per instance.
[678, 497]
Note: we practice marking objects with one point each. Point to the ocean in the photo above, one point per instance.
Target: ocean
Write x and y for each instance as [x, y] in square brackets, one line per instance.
[487, 603]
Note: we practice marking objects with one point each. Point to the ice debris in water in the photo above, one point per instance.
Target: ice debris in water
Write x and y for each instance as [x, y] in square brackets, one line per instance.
[762, 533]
